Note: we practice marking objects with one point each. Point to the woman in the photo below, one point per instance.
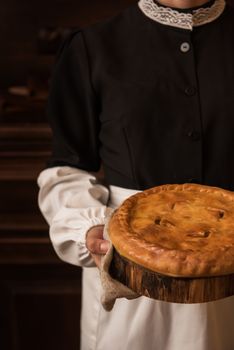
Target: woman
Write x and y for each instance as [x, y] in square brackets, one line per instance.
[150, 95]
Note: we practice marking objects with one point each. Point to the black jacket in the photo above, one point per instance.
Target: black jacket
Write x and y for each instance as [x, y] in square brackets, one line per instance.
[126, 94]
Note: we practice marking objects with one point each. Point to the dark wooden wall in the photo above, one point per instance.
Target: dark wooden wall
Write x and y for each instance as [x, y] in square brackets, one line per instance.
[39, 295]
[22, 21]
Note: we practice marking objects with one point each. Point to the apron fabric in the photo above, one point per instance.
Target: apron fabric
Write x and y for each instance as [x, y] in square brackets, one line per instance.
[145, 323]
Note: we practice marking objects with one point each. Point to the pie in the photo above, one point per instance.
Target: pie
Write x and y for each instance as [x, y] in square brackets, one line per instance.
[177, 230]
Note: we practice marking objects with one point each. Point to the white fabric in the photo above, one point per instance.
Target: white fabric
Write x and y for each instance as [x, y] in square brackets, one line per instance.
[72, 202]
[179, 19]
[64, 192]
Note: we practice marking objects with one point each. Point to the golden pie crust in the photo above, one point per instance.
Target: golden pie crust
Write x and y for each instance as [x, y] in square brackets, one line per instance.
[177, 230]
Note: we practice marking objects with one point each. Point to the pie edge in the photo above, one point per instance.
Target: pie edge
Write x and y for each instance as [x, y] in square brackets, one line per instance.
[171, 263]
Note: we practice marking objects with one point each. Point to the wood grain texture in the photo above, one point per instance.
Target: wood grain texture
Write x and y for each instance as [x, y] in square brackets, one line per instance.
[170, 289]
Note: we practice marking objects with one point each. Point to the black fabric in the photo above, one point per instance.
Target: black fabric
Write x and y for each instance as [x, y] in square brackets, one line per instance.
[124, 94]
[73, 108]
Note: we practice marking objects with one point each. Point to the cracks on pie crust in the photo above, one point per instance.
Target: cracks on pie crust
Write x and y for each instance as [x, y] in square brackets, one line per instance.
[163, 222]
[184, 208]
[199, 234]
[157, 221]
[180, 221]
[218, 213]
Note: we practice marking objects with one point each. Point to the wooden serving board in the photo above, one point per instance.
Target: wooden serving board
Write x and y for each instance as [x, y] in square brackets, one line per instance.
[171, 289]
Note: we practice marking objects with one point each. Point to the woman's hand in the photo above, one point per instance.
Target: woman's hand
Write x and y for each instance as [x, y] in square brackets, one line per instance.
[96, 244]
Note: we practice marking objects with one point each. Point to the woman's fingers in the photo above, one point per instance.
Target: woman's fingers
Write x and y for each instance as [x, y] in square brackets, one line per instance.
[96, 244]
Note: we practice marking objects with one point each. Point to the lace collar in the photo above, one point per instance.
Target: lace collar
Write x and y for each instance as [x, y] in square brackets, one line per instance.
[186, 20]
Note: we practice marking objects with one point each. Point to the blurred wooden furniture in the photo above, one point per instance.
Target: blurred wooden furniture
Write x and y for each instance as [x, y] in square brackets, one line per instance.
[40, 295]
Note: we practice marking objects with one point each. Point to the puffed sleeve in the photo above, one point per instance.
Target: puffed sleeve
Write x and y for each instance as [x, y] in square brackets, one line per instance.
[73, 108]
[72, 201]
[70, 198]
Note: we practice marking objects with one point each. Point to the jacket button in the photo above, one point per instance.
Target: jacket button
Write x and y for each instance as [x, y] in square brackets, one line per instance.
[185, 47]
[190, 91]
[194, 135]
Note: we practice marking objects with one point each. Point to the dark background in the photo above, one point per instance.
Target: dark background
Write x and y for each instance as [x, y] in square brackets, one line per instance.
[39, 295]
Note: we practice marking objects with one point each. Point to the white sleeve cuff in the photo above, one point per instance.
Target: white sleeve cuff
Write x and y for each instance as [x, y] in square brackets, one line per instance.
[72, 202]
[68, 233]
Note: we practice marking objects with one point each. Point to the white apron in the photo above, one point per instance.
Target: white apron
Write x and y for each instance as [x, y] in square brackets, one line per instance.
[145, 324]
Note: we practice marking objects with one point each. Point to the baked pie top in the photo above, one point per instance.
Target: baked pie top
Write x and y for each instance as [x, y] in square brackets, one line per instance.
[177, 230]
